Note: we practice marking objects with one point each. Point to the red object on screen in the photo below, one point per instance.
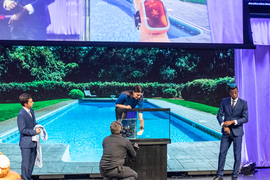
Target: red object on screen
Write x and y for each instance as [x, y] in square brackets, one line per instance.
[153, 16]
[155, 13]
[2, 17]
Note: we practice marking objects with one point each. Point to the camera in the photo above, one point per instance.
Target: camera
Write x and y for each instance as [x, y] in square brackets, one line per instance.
[135, 146]
[127, 132]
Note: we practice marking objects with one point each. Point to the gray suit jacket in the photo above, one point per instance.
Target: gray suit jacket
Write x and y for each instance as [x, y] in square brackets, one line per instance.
[115, 150]
[26, 125]
[239, 113]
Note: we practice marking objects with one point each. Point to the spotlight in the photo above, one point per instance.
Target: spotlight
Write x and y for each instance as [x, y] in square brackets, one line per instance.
[248, 168]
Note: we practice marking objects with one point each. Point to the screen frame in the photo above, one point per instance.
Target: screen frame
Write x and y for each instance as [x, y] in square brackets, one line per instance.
[247, 40]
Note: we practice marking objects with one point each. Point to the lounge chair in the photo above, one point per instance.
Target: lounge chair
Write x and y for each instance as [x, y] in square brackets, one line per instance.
[87, 93]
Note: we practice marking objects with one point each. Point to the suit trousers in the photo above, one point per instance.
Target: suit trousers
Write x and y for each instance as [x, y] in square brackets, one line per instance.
[126, 173]
[28, 162]
[225, 144]
[22, 32]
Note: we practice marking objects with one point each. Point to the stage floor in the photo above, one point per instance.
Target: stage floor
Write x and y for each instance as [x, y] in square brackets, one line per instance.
[261, 174]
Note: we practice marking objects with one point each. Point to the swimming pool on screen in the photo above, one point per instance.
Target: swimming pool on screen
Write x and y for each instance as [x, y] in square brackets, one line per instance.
[83, 126]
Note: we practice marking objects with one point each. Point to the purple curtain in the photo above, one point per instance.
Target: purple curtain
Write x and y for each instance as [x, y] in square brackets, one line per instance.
[67, 17]
[261, 31]
[226, 20]
[252, 73]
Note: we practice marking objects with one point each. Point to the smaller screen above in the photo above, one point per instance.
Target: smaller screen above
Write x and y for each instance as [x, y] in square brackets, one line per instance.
[166, 21]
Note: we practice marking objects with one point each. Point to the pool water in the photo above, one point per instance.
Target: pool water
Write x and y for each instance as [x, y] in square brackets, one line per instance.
[84, 126]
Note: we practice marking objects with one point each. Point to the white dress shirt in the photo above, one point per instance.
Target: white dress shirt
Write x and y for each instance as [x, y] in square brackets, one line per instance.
[28, 111]
[235, 121]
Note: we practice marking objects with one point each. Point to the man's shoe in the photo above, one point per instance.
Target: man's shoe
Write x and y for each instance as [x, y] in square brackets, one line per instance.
[218, 178]
[234, 178]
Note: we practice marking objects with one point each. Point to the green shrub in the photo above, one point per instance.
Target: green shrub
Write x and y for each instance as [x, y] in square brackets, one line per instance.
[76, 94]
[207, 91]
[169, 93]
[46, 90]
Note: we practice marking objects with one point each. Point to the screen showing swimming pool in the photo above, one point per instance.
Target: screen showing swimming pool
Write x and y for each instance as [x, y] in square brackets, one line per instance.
[84, 126]
[191, 83]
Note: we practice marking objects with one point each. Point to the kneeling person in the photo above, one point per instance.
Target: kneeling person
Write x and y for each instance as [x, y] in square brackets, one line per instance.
[115, 150]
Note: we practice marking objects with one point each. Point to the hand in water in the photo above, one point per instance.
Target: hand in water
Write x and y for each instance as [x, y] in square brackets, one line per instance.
[141, 131]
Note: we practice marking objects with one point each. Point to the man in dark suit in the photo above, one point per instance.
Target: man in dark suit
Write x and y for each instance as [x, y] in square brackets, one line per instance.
[30, 19]
[236, 114]
[26, 122]
[115, 150]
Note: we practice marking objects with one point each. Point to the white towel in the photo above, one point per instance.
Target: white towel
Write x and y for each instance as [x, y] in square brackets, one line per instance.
[44, 137]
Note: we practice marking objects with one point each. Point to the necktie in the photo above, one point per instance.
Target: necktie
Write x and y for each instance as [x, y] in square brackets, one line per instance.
[29, 113]
[233, 104]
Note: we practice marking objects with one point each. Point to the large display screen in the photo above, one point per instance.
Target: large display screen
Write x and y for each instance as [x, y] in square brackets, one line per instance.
[191, 83]
[165, 21]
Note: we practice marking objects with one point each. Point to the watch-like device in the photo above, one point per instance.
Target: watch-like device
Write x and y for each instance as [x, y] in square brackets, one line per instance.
[152, 16]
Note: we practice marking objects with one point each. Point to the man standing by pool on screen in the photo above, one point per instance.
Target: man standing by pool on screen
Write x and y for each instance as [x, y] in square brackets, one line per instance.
[236, 114]
[26, 122]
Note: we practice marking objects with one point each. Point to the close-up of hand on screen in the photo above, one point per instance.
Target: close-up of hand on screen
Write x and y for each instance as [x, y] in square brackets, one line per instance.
[17, 18]
[148, 36]
[12, 6]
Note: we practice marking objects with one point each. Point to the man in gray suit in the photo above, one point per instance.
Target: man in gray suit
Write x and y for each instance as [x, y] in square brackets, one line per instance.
[236, 114]
[115, 150]
[26, 122]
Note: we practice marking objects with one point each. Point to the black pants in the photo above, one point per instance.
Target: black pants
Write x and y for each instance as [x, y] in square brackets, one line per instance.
[28, 162]
[126, 172]
[22, 32]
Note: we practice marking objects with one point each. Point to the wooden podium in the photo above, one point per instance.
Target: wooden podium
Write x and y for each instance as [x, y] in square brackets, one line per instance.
[151, 160]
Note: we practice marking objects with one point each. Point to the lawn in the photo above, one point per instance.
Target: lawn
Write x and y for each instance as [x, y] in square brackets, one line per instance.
[11, 110]
[194, 105]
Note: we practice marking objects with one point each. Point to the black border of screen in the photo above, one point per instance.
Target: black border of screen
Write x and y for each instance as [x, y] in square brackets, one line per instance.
[247, 40]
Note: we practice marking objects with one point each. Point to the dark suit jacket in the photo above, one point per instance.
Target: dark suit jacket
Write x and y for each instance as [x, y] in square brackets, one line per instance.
[26, 125]
[115, 150]
[240, 113]
[41, 17]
